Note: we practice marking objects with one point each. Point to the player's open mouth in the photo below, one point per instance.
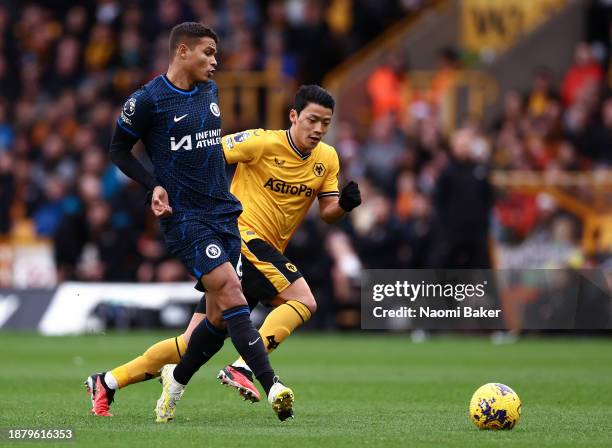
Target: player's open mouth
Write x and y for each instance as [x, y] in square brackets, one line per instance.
[314, 139]
[211, 73]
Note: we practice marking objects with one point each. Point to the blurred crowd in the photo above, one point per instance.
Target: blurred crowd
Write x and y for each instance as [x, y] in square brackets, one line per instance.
[65, 70]
[429, 201]
[556, 126]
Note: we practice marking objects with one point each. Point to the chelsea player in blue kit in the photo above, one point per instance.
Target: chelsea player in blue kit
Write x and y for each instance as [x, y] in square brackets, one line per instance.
[177, 117]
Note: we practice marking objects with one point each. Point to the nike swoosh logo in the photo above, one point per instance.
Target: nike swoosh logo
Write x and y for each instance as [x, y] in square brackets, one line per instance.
[255, 341]
[176, 120]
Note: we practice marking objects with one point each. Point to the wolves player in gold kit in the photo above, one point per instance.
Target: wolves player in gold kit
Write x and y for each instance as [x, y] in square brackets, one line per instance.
[278, 176]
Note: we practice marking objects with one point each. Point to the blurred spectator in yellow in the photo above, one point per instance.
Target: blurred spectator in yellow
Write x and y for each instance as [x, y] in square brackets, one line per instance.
[541, 93]
[101, 48]
[339, 16]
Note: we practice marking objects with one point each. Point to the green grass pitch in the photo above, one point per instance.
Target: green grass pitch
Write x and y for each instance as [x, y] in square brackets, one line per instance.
[356, 390]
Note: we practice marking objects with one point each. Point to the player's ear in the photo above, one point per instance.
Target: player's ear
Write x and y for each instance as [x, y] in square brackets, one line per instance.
[182, 50]
[293, 116]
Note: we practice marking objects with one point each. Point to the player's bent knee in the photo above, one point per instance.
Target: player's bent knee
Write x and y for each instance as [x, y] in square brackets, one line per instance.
[306, 297]
[231, 296]
[309, 302]
[300, 291]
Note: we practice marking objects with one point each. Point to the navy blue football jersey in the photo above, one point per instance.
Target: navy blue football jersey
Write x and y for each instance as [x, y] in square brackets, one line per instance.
[181, 131]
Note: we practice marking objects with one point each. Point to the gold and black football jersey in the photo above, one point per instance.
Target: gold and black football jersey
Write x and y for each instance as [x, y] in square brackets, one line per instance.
[276, 182]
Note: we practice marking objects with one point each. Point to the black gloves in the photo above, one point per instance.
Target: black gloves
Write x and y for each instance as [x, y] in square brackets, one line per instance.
[350, 197]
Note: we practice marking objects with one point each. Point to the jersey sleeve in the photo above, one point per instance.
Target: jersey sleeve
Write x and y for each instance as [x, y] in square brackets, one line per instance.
[136, 114]
[246, 147]
[131, 125]
[330, 184]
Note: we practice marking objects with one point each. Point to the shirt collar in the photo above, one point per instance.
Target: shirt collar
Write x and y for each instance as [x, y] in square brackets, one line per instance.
[300, 154]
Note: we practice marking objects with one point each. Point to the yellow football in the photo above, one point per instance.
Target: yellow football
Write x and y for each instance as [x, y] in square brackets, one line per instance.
[495, 406]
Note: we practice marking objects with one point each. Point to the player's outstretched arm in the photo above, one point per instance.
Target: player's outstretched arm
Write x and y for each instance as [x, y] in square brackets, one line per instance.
[333, 208]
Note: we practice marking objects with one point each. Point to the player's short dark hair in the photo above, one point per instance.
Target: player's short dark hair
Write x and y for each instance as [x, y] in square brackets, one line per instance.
[313, 94]
[188, 33]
